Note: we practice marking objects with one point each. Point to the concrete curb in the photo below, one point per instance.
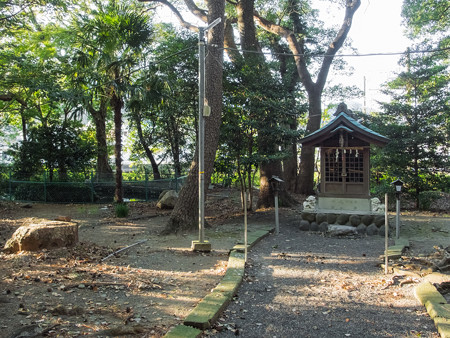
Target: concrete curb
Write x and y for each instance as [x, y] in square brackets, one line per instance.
[397, 250]
[436, 305]
[208, 310]
[183, 331]
[426, 293]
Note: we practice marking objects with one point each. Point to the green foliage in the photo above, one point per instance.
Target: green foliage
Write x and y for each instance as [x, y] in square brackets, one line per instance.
[122, 210]
[417, 123]
[426, 17]
[426, 198]
[53, 192]
[381, 186]
[52, 147]
[163, 106]
[257, 118]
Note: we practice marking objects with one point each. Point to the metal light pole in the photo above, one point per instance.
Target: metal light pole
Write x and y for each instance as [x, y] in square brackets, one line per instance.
[386, 235]
[201, 244]
[275, 183]
[398, 189]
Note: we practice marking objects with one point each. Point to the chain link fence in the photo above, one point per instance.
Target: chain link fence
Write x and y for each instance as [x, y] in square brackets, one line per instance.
[76, 188]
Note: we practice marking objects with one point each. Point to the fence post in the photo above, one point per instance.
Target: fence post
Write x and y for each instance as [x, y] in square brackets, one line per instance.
[92, 187]
[176, 181]
[146, 184]
[45, 186]
[10, 186]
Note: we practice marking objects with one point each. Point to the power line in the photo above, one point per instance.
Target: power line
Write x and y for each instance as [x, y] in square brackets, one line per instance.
[341, 55]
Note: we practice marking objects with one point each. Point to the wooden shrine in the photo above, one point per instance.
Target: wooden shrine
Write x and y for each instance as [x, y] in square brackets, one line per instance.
[344, 162]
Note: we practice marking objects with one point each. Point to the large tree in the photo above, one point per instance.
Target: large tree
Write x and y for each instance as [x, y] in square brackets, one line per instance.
[264, 96]
[112, 43]
[417, 117]
[298, 36]
[185, 213]
[164, 104]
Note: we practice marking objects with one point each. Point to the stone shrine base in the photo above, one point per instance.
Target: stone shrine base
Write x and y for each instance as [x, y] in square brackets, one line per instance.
[347, 205]
[370, 224]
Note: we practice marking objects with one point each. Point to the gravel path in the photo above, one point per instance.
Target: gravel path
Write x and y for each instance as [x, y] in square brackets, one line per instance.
[301, 284]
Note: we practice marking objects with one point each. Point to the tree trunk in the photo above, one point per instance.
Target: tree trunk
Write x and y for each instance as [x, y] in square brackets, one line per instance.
[117, 103]
[185, 213]
[175, 138]
[266, 197]
[290, 168]
[305, 183]
[104, 171]
[249, 41]
[148, 152]
[24, 123]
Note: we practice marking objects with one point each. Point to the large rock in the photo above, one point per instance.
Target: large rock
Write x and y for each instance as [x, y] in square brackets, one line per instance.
[49, 235]
[341, 230]
[168, 200]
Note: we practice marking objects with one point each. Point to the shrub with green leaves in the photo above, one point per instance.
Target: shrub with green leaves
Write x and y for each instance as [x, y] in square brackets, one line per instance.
[122, 210]
[426, 199]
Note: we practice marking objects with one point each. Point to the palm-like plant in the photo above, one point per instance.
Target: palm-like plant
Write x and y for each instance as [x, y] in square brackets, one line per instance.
[111, 45]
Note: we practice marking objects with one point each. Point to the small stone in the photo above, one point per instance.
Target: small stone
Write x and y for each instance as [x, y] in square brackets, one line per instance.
[81, 286]
[331, 218]
[320, 217]
[59, 310]
[379, 220]
[382, 230]
[355, 220]
[304, 225]
[361, 229]
[323, 227]
[308, 216]
[372, 230]
[367, 219]
[342, 219]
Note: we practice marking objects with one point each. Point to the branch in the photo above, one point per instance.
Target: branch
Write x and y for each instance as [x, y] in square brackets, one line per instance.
[296, 47]
[175, 11]
[229, 43]
[351, 7]
[125, 248]
[10, 97]
[201, 14]
[6, 97]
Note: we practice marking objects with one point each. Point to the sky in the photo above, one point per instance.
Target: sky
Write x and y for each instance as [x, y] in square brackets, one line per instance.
[376, 28]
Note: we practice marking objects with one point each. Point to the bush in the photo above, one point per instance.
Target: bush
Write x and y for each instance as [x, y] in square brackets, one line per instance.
[29, 192]
[122, 210]
[55, 192]
[426, 199]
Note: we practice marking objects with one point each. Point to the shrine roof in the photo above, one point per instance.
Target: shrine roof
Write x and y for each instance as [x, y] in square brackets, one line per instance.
[344, 122]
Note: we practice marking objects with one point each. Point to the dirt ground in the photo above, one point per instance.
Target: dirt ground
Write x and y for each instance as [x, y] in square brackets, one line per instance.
[144, 290]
